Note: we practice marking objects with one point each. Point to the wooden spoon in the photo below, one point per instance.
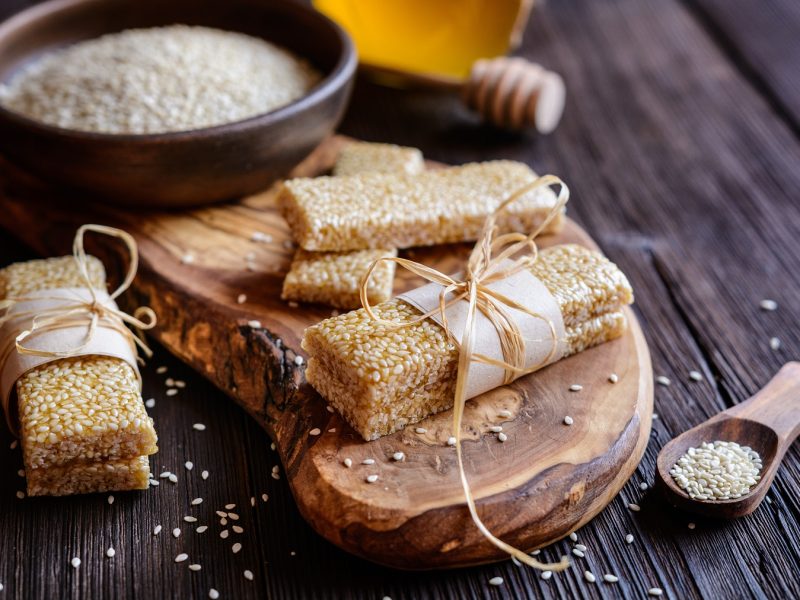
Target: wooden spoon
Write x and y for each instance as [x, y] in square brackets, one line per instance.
[768, 422]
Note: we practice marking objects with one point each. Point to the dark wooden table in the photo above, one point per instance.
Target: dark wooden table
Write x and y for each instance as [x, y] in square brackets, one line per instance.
[680, 143]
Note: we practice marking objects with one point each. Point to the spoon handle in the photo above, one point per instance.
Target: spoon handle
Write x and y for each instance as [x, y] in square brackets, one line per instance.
[777, 405]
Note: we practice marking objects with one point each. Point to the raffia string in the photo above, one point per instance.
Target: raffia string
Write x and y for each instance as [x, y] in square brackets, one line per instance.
[91, 313]
[494, 258]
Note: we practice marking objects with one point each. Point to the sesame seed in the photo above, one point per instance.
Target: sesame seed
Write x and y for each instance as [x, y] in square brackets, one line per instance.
[578, 553]
[643, 486]
[176, 532]
[568, 420]
[663, 380]
[110, 552]
[329, 408]
[348, 462]
[314, 432]
[332, 430]
[202, 529]
[718, 470]
[154, 482]
[199, 427]
[629, 538]
[502, 436]
[608, 577]
[241, 298]
[547, 575]
[495, 581]
[236, 547]
[181, 557]
[189, 465]
[496, 428]
[230, 506]
[110, 499]
[372, 478]
[233, 516]
[774, 343]
[368, 461]
[421, 430]
[165, 474]
[150, 402]
[20, 495]
[21, 473]
[252, 500]
[768, 304]
[275, 475]
[221, 513]
[655, 591]
[161, 370]
[75, 562]
[398, 456]
[169, 382]
[156, 529]
[213, 594]
[506, 414]
[254, 324]
[224, 534]
[691, 525]
[613, 378]
[634, 507]
[204, 474]
[575, 387]
[261, 237]
[179, 383]
[190, 519]
[187, 258]
[589, 576]
[451, 441]
[173, 478]
[298, 360]
[248, 574]
[195, 567]
[172, 392]
[264, 497]
[580, 547]
[237, 529]
[695, 376]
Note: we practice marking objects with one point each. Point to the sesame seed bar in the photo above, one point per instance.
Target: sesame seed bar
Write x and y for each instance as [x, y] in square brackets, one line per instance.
[86, 408]
[334, 278]
[87, 478]
[381, 379]
[361, 157]
[382, 210]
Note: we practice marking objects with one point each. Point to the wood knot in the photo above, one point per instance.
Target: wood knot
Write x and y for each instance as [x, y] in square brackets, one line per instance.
[515, 93]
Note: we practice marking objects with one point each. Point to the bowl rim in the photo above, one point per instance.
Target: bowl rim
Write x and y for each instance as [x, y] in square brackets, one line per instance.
[340, 74]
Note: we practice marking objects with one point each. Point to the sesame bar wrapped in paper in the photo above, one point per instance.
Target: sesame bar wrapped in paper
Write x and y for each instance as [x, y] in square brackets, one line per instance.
[381, 379]
[380, 210]
[78, 412]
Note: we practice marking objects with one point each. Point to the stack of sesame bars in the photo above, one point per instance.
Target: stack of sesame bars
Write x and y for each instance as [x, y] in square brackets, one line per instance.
[82, 424]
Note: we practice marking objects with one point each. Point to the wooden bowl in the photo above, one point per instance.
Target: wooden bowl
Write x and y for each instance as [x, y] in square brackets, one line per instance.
[182, 168]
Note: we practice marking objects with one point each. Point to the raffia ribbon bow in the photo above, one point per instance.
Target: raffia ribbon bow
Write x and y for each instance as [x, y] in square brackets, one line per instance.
[99, 310]
[494, 258]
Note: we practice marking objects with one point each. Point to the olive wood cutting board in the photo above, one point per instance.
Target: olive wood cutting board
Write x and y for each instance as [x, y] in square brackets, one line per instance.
[544, 482]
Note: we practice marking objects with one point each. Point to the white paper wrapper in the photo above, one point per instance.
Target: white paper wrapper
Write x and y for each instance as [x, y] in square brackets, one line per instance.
[105, 342]
[525, 289]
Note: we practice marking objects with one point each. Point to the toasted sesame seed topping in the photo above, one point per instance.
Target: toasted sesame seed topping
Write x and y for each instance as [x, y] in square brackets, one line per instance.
[181, 557]
[176, 532]
[398, 456]
[368, 461]
[195, 567]
[314, 432]
[768, 304]
[613, 378]
[695, 376]
[154, 482]
[110, 552]
[204, 474]
[589, 576]
[568, 420]
[663, 380]
[252, 500]
[169, 382]
[546, 575]
[348, 462]
[372, 478]
[189, 465]
[202, 529]
[502, 436]
[75, 562]
[608, 577]
[180, 384]
[248, 574]
[199, 427]
[21, 473]
[236, 547]
[496, 581]
[329, 408]
[221, 513]
[13, 444]
[261, 237]
[156, 529]
[575, 387]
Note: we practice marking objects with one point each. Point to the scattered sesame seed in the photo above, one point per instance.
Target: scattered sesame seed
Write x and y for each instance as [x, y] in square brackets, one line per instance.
[502, 436]
[199, 427]
[21, 473]
[176, 532]
[608, 577]
[275, 475]
[248, 574]
[187, 258]
[372, 478]
[691, 525]
[254, 324]
[169, 382]
[496, 428]
[655, 591]
[332, 430]
[398, 456]
[1, 587]
[154, 482]
[230, 506]
[298, 360]
[451, 441]
[260, 236]
[546, 575]
[181, 557]
[568, 420]
[768, 304]
[20, 495]
[195, 567]
[190, 519]
[329, 408]
[589, 576]
[634, 507]
[368, 461]
[161, 370]
[150, 402]
[613, 378]
[655, 416]
[774, 343]
[110, 552]
[292, 304]
[663, 380]
[315, 431]
[221, 513]
[156, 529]
[204, 474]
[233, 516]
[580, 547]
[504, 413]
[189, 465]
[241, 298]
[165, 474]
[252, 500]
[496, 581]
[629, 538]
[172, 392]
[14, 444]
[421, 430]
[237, 529]
[213, 594]
[264, 497]
[173, 478]
[578, 553]
[75, 562]
[643, 486]
[573, 536]
[179, 383]
[202, 529]
[224, 534]
[236, 547]
[575, 387]
[110, 499]
[348, 462]
[695, 376]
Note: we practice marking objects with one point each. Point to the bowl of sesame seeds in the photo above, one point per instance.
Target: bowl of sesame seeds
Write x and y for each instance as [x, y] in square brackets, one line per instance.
[169, 104]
